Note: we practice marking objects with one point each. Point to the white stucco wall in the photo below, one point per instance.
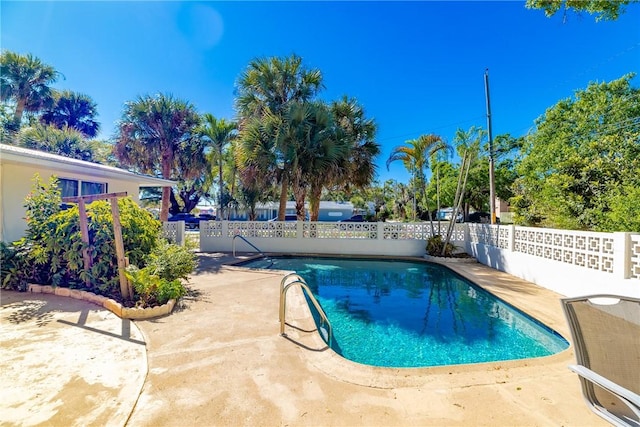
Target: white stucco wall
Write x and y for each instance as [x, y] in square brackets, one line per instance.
[16, 182]
[566, 279]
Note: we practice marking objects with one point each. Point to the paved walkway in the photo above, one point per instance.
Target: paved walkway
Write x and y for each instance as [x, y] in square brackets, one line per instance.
[66, 362]
[218, 360]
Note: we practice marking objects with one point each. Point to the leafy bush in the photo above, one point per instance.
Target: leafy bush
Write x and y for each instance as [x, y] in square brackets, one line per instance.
[11, 268]
[435, 245]
[171, 262]
[151, 289]
[51, 252]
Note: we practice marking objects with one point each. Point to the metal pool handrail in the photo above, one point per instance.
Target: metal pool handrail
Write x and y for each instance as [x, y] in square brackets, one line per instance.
[283, 303]
[233, 242]
[282, 283]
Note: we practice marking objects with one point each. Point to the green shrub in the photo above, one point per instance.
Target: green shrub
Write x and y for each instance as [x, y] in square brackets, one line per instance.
[12, 274]
[53, 245]
[151, 289]
[170, 262]
[435, 245]
[52, 251]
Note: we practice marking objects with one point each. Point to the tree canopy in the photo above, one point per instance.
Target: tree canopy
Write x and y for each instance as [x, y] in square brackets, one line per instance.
[605, 10]
[74, 110]
[26, 81]
[580, 169]
[266, 91]
[157, 135]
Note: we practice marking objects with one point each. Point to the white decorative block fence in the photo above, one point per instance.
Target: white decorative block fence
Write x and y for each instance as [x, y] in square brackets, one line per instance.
[174, 232]
[348, 238]
[634, 256]
[569, 262]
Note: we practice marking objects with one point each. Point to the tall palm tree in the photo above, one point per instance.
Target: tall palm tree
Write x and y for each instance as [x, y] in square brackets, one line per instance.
[355, 142]
[265, 91]
[25, 80]
[74, 110]
[316, 151]
[220, 133]
[468, 143]
[358, 168]
[153, 134]
[415, 157]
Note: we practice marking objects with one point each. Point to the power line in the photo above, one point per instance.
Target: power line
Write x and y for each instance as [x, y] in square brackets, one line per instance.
[430, 130]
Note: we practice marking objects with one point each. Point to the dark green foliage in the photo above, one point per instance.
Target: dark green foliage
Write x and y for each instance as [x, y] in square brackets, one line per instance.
[605, 10]
[11, 267]
[580, 168]
[73, 110]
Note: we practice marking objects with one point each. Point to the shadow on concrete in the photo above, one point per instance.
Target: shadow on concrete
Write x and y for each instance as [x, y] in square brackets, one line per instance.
[27, 310]
[193, 295]
[39, 308]
[211, 262]
[306, 347]
[124, 335]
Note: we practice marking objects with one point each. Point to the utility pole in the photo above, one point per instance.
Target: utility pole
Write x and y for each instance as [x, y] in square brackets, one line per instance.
[492, 185]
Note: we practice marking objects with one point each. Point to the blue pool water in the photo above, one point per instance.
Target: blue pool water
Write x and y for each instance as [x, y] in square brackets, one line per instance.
[416, 314]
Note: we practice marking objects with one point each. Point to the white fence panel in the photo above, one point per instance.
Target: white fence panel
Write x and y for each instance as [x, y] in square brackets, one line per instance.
[569, 262]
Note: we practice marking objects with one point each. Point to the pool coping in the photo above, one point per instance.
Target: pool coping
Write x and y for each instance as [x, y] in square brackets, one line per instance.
[304, 333]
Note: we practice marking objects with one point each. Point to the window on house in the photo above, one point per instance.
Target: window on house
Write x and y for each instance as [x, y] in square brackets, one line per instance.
[70, 187]
[93, 188]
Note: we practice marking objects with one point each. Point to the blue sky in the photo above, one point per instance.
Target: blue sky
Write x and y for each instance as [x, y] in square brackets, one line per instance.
[416, 67]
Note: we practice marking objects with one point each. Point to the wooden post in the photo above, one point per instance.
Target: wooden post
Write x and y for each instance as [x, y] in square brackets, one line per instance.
[117, 235]
[84, 233]
[125, 287]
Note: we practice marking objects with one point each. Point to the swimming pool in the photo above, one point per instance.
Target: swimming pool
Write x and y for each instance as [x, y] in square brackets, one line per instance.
[415, 314]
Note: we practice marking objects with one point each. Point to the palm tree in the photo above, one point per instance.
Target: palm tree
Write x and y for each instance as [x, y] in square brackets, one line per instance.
[25, 80]
[316, 151]
[265, 90]
[154, 133]
[66, 142]
[415, 157]
[355, 167]
[220, 133]
[74, 110]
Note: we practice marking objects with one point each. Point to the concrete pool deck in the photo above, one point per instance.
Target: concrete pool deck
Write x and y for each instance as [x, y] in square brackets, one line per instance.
[218, 359]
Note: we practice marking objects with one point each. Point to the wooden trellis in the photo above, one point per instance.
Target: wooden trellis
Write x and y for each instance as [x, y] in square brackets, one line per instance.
[125, 286]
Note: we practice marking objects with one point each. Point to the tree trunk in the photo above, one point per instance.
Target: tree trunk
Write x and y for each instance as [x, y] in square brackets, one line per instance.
[166, 191]
[460, 190]
[282, 209]
[300, 195]
[17, 115]
[314, 202]
[221, 213]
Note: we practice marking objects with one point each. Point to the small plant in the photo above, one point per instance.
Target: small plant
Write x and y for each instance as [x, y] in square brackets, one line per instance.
[170, 262]
[161, 279]
[436, 247]
[151, 289]
[11, 271]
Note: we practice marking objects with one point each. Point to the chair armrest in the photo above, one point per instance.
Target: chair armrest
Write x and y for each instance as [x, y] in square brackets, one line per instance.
[618, 390]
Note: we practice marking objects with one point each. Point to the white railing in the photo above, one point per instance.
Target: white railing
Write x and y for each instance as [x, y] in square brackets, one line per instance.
[562, 260]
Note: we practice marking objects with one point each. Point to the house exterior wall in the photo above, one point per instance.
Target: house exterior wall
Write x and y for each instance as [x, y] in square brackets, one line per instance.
[16, 181]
